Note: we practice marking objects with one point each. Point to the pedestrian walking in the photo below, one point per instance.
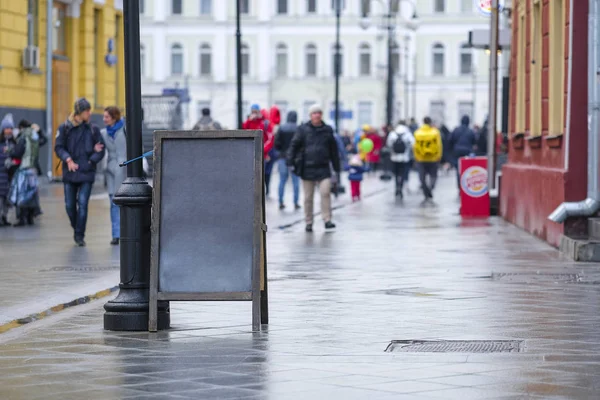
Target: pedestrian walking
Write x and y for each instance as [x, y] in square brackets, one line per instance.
[206, 123]
[272, 122]
[5, 162]
[461, 143]
[312, 153]
[24, 185]
[428, 153]
[400, 142]
[257, 121]
[80, 147]
[356, 170]
[115, 140]
[283, 140]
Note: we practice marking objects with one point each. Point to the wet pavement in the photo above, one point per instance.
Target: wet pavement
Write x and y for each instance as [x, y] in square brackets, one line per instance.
[392, 271]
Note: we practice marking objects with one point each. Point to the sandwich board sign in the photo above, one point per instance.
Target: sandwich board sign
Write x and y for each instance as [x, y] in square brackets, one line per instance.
[208, 220]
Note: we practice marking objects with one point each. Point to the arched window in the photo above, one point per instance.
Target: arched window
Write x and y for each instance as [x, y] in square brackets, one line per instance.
[466, 59]
[281, 60]
[364, 56]
[438, 59]
[395, 58]
[205, 60]
[245, 59]
[176, 59]
[339, 65]
[311, 60]
[142, 60]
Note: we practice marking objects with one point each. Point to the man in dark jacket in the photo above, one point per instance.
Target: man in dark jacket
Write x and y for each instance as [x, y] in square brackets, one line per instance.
[206, 123]
[461, 143]
[80, 147]
[283, 140]
[312, 153]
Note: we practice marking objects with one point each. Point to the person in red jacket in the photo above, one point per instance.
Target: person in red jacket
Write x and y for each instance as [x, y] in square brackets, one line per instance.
[257, 121]
[374, 157]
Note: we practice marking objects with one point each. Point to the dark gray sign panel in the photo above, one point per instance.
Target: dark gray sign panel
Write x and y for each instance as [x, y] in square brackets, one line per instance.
[207, 221]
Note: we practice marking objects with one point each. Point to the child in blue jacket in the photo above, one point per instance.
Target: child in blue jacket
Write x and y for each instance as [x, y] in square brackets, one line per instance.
[356, 169]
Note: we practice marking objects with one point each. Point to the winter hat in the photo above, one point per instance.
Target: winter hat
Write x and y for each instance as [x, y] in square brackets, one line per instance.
[7, 122]
[355, 161]
[254, 107]
[315, 108]
[82, 105]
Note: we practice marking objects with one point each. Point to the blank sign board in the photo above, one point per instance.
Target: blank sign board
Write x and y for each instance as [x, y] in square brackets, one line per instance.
[207, 218]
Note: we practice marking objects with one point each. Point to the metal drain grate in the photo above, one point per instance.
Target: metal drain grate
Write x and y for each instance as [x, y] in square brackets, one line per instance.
[455, 346]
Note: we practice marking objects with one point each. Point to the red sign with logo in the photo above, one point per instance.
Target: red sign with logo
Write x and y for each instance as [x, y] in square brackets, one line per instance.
[474, 191]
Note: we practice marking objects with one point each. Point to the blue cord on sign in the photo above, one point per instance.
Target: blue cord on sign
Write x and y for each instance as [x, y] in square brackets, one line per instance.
[146, 154]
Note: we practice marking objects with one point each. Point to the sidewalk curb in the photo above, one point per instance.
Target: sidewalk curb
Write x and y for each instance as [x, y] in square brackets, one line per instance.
[57, 308]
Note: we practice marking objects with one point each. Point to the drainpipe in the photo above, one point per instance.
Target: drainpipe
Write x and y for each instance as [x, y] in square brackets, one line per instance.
[49, 128]
[591, 204]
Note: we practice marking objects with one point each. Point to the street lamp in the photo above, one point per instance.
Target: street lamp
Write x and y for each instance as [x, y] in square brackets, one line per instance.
[238, 49]
[393, 10]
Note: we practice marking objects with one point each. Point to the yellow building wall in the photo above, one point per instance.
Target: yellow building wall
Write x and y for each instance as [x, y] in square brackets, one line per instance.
[20, 88]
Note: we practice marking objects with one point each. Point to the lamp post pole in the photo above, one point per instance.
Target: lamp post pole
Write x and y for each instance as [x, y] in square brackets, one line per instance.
[337, 66]
[238, 49]
[493, 114]
[129, 310]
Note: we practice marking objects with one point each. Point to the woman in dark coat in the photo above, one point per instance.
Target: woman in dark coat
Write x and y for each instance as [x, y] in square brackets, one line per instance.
[7, 142]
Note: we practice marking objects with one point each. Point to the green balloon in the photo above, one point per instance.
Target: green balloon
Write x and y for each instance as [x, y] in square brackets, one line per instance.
[366, 145]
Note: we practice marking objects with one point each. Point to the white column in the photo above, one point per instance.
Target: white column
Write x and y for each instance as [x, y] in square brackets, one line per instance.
[264, 10]
[160, 55]
[265, 53]
[160, 10]
[219, 10]
[220, 52]
[324, 7]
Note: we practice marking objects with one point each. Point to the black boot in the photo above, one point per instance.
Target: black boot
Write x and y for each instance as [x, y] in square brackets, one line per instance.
[20, 223]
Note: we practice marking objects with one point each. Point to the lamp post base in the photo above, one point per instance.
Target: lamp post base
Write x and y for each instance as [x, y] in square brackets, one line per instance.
[129, 311]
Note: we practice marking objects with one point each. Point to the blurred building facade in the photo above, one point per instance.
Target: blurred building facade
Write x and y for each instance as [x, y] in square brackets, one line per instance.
[82, 30]
[288, 52]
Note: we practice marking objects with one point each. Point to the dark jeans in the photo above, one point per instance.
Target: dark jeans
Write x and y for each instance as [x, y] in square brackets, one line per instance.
[77, 197]
[409, 166]
[428, 169]
[400, 170]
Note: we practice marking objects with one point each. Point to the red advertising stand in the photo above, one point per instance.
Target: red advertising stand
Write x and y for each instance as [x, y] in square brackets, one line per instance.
[474, 191]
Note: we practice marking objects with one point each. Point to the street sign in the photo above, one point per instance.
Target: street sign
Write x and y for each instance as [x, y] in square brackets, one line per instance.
[344, 114]
[207, 220]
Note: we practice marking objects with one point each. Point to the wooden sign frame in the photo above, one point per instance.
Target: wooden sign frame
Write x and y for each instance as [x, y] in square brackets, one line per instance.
[258, 294]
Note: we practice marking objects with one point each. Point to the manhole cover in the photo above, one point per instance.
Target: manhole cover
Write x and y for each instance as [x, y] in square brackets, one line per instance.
[455, 346]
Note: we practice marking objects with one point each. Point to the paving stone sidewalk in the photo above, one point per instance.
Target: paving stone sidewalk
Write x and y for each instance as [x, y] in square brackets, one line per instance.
[392, 271]
[42, 269]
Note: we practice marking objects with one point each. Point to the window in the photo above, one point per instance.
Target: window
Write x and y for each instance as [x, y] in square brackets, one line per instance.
[176, 7]
[440, 6]
[437, 110]
[176, 60]
[557, 68]
[466, 60]
[244, 6]
[142, 61]
[282, 6]
[337, 63]
[365, 113]
[245, 59]
[311, 6]
[142, 7]
[281, 60]
[438, 59]
[307, 105]
[32, 22]
[200, 105]
[465, 108]
[311, 60]
[334, 3]
[205, 7]
[59, 37]
[283, 109]
[365, 59]
[535, 102]
[205, 60]
[466, 6]
[396, 58]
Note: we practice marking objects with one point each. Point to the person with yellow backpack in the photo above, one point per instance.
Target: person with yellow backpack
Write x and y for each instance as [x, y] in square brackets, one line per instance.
[428, 151]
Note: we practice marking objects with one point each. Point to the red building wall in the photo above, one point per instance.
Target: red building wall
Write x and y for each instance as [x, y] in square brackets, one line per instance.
[536, 180]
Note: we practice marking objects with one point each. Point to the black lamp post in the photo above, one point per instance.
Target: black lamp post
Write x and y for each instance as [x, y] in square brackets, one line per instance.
[238, 44]
[129, 310]
[337, 66]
